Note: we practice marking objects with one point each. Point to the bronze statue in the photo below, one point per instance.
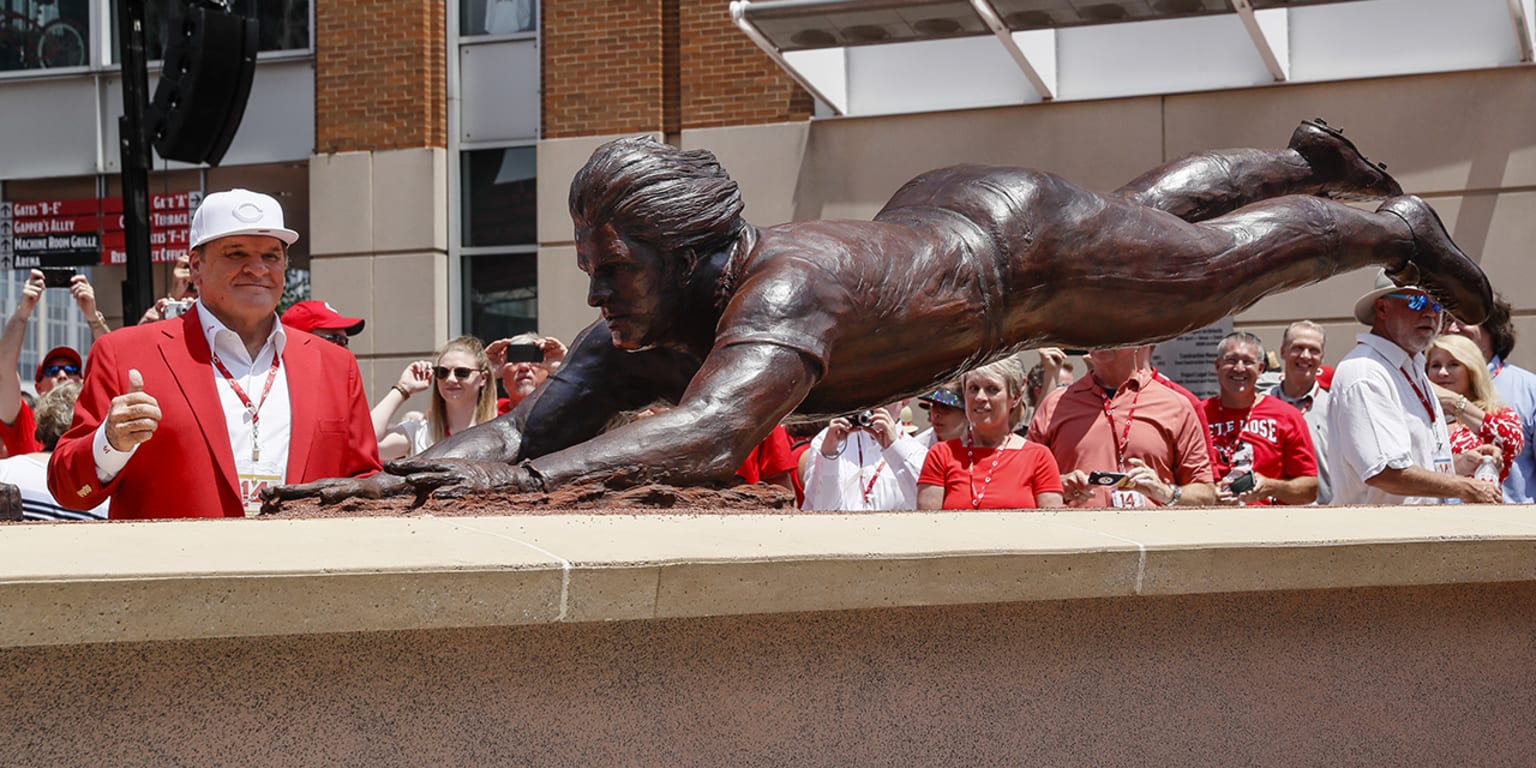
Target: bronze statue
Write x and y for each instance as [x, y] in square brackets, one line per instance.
[742, 326]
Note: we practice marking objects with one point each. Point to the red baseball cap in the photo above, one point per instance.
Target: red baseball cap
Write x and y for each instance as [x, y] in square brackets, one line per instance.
[67, 353]
[314, 315]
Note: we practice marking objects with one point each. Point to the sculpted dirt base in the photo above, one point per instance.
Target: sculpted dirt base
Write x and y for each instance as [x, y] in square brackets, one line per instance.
[592, 498]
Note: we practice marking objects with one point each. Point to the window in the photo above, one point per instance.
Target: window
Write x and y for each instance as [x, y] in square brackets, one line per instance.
[44, 34]
[500, 197]
[497, 17]
[283, 24]
[501, 294]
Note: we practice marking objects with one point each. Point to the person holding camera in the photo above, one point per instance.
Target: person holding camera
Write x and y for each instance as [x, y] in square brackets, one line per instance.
[990, 467]
[863, 462]
[1264, 451]
[18, 424]
[462, 396]
[522, 363]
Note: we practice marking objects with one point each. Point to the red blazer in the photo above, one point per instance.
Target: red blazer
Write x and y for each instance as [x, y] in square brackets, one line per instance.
[187, 468]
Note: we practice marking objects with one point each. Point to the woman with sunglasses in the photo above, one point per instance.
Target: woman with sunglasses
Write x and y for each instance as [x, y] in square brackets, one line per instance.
[1474, 415]
[462, 396]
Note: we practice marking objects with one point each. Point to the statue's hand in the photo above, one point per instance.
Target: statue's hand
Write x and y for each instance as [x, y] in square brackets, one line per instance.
[332, 490]
[456, 477]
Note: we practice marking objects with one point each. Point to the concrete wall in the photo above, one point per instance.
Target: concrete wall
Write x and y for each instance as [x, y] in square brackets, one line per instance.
[1462, 140]
[1361, 637]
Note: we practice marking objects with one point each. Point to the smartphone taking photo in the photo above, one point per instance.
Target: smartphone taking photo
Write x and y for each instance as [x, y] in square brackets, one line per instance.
[524, 353]
[57, 277]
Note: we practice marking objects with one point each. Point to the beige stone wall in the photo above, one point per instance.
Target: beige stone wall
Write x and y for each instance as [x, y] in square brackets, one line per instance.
[1462, 140]
[382, 253]
[1426, 676]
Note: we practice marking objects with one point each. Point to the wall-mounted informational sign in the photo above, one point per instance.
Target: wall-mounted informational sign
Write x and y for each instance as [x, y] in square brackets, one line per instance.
[1191, 359]
[87, 231]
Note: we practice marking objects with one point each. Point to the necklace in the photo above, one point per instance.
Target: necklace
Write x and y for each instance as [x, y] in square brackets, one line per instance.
[970, 456]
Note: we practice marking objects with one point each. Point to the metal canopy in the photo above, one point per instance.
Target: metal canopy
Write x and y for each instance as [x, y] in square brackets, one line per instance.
[867, 57]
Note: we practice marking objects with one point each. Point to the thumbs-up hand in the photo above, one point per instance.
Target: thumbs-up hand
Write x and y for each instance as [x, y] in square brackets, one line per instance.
[133, 417]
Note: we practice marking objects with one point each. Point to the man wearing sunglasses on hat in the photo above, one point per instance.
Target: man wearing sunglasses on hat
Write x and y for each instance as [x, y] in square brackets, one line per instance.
[192, 416]
[1387, 437]
[17, 421]
[741, 325]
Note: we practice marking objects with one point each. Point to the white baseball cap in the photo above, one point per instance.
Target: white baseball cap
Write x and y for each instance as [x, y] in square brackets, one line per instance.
[239, 212]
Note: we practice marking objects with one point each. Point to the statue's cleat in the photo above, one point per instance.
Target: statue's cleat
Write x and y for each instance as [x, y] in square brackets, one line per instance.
[1437, 264]
[1341, 171]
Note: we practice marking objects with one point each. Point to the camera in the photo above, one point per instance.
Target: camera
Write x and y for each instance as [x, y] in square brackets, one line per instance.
[177, 308]
[862, 420]
[524, 353]
[57, 277]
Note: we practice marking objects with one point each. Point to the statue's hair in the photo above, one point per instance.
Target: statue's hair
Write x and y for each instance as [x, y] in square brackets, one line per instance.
[671, 199]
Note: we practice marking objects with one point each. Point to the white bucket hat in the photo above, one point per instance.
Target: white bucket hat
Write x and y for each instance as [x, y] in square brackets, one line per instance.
[238, 212]
[1365, 306]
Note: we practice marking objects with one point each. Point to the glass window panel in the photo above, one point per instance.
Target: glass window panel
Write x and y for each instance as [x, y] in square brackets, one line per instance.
[497, 17]
[283, 24]
[501, 294]
[500, 197]
[42, 34]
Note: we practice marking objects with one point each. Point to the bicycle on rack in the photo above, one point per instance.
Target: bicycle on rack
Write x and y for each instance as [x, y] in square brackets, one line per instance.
[39, 38]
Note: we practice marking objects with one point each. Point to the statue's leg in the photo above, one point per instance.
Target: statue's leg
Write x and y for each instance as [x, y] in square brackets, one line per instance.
[1140, 274]
[1319, 161]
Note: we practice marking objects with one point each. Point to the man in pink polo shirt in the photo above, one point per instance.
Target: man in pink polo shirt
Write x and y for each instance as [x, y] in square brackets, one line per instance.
[1119, 422]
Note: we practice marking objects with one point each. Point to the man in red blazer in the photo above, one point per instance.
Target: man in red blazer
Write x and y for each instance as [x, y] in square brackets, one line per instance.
[191, 417]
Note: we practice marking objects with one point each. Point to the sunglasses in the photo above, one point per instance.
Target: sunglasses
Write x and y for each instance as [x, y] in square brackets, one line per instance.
[69, 370]
[461, 374]
[1417, 301]
[335, 338]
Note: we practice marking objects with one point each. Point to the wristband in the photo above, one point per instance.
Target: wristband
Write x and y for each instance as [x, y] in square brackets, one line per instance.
[404, 393]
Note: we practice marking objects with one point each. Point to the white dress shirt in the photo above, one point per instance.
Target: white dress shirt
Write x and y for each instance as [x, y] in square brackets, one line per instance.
[863, 477]
[251, 374]
[1377, 419]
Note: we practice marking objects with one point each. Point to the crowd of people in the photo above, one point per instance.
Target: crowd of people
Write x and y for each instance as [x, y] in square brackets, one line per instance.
[1424, 409]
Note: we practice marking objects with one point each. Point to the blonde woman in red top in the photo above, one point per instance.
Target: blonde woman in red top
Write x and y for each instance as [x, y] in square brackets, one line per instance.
[1473, 413]
[990, 467]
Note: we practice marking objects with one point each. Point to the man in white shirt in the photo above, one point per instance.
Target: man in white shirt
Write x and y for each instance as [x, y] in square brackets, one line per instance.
[1388, 438]
[192, 417]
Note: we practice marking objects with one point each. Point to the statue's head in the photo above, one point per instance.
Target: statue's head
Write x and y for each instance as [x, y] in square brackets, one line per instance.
[680, 202]
[646, 213]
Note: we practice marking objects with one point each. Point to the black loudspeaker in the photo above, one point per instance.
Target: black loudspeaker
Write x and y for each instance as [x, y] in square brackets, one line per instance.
[210, 60]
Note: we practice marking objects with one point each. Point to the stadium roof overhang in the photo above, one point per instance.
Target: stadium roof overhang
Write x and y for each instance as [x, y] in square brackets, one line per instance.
[872, 57]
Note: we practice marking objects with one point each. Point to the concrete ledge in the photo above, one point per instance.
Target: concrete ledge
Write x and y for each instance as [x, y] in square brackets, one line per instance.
[123, 582]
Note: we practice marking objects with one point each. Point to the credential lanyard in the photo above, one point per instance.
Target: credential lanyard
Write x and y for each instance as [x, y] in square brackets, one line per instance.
[1429, 408]
[245, 400]
[1124, 441]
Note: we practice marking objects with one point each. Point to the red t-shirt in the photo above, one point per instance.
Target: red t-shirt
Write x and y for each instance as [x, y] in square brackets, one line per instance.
[771, 457]
[1018, 477]
[21, 437]
[1282, 444]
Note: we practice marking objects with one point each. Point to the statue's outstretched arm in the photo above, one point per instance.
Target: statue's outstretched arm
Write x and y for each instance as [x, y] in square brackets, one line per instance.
[738, 396]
